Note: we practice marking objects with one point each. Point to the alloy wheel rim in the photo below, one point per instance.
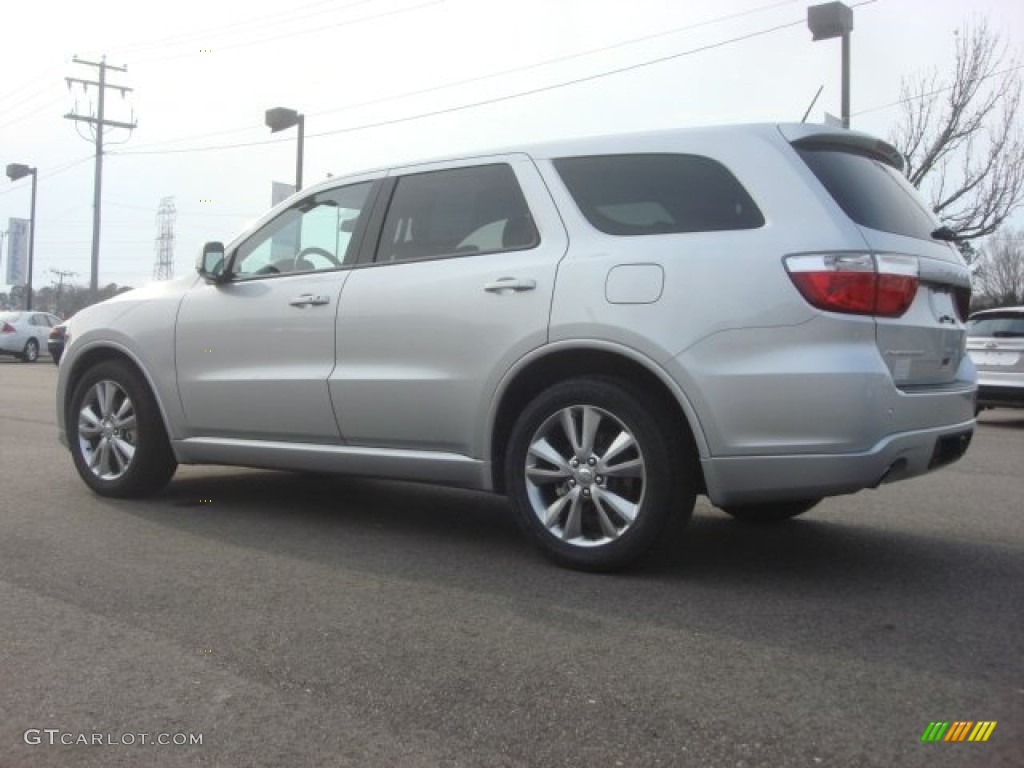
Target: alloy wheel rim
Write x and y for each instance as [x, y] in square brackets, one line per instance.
[585, 476]
[107, 435]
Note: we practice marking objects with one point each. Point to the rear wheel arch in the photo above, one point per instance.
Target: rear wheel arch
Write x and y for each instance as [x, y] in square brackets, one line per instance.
[556, 366]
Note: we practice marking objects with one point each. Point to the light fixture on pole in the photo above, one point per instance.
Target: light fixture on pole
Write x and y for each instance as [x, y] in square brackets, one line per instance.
[830, 20]
[17, 171]
[280, 118]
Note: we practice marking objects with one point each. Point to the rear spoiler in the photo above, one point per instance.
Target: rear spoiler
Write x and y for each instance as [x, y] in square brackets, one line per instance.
[849, 141]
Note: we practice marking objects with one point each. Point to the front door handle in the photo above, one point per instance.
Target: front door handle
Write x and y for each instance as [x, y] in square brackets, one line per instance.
[309, 300]
[503, 284]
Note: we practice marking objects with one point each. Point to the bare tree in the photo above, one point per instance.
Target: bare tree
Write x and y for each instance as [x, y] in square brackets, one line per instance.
[962, 136]
[1000, 274]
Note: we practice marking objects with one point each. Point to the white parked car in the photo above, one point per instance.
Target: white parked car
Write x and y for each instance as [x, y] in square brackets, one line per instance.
[600, 328]
[23, 334]
[995, 342]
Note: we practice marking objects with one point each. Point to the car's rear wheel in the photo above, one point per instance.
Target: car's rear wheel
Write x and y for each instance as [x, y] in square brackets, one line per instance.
[31, 352]
[770, 513]
[117, 438]
[595, 474]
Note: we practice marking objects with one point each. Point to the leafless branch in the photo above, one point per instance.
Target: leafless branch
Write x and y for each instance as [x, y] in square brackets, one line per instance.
[962, 137]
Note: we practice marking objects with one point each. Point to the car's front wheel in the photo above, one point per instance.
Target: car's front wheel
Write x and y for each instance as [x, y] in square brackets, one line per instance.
[31, 352]
[771, 513]
[117, 438]
[595, 473]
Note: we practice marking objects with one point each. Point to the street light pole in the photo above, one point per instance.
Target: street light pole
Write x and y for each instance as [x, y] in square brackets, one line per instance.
[845, 106]
[298, 155]
[280, 118]
[827, 21]
[17, 171]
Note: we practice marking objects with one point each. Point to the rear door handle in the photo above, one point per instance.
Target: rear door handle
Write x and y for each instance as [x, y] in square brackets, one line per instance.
[309, 300]
[516, 284]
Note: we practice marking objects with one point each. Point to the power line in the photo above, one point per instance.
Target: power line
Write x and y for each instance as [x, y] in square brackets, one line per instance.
[560, 59]
[31, 84]
[35, 111]
[51, 173]
[238, 26]
[491, 75]
[490, 101]
[935, 92]
[311, 31]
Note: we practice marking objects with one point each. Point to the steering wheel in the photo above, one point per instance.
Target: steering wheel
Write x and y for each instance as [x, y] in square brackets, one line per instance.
[314, 251]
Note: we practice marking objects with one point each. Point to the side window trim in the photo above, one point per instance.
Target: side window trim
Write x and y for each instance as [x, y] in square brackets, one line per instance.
[374, 228]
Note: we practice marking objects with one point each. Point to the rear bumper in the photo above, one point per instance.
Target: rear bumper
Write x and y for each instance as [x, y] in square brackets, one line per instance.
[758, 479]
[1000, 388]
[1000, 396]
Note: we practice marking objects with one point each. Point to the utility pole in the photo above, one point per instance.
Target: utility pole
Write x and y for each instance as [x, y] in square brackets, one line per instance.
[98, 123]
[61, 274]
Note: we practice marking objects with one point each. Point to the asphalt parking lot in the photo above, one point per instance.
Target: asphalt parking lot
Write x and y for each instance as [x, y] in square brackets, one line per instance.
[296, 621]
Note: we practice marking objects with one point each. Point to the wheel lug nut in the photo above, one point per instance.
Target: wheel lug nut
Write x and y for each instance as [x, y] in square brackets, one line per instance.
[586, 491]
[591, 461]
[574, 463]
[600, 480]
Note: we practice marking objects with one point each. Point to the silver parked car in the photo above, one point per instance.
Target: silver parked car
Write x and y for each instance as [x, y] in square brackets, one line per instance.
[600, 328]
[23, 334]
[995, 342]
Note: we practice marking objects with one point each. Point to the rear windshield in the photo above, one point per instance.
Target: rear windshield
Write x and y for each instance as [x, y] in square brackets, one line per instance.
[871, 193]
[1001, 325]
[653, 194]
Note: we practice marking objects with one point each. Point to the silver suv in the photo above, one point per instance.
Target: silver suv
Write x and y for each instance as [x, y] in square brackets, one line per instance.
[599, 328]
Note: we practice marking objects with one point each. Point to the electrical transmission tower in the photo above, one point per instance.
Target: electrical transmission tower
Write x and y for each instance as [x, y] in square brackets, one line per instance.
[163, 267]
[97, 123]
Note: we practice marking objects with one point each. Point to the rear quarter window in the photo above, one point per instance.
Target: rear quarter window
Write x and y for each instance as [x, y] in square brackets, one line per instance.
[872, 193]
[653, 194]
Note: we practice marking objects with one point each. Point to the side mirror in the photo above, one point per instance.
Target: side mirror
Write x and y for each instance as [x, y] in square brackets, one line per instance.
[210, 263]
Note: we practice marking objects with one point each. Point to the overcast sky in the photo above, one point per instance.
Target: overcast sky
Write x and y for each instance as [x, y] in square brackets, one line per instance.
[387, 80]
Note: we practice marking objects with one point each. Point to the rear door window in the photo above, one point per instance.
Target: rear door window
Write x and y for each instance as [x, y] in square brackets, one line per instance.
[456, 212]
[654, 194]
[872, 193]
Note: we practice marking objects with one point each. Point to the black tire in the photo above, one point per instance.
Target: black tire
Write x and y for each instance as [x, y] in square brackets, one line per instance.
[771, 513]
[31, 352]
[612, 506]
[129, 419]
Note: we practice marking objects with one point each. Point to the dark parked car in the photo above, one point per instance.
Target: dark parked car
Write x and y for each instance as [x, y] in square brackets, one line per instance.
[55, 342]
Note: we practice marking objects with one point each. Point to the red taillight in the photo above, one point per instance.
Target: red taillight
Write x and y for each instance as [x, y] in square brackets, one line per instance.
[857, 283]
[8, 328]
